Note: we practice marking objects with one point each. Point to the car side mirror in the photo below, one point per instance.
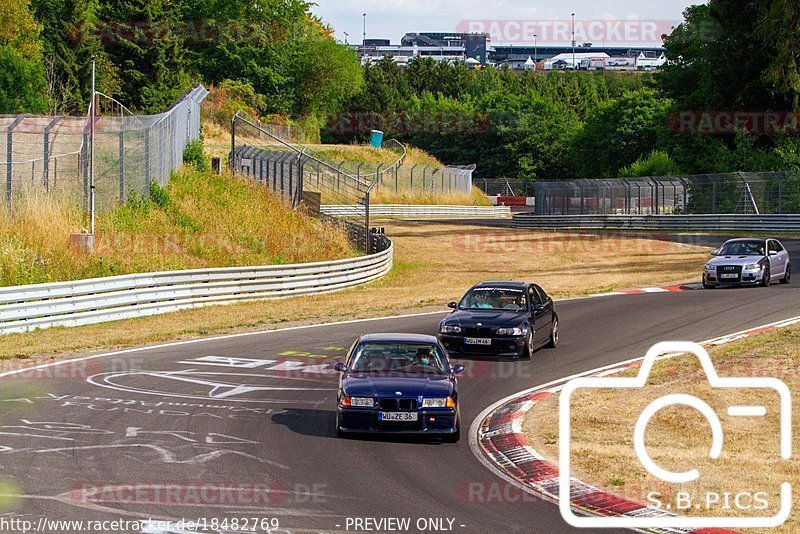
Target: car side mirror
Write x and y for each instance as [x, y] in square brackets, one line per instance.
[539, 307]
[773, 252]
[452, 305]
[458, 369]
[714, 253]
[340, 367]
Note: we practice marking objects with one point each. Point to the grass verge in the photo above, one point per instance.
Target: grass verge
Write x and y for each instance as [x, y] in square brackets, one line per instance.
[678, 438]
[475, 198]
[199, 220]
[434, 264]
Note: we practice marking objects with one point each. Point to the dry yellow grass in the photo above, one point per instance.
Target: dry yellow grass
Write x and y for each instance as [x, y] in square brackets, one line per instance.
[475, 198]
[679, 438]
[434, 264]
[200, 220]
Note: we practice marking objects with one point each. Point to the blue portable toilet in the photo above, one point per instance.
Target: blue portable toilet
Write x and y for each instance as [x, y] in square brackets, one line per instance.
[377, 139]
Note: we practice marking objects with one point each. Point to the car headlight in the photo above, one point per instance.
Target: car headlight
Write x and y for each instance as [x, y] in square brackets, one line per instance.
[752, 267]
[448, 329]
[439, 403]
[510, 331]
[711, 269]
[358, 402]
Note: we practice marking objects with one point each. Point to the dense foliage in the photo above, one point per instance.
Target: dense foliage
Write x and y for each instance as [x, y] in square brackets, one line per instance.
[149, 51]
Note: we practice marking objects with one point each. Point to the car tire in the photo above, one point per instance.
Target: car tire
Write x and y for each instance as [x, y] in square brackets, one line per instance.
[553, 343]
[767, 278]
[706, 285]
[788, 276]
[529, 350]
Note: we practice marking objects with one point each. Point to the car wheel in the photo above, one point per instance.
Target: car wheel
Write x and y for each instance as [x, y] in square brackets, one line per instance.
[528, 352]
[767, 278]
[706, 285]
[554, 335]
[788, 277]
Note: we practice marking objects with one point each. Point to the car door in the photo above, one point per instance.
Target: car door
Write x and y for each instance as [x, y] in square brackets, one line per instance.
[782, 259]
[777, 265]
[542, 314]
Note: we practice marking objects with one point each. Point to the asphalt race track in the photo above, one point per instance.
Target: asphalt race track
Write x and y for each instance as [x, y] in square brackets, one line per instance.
[98, 438]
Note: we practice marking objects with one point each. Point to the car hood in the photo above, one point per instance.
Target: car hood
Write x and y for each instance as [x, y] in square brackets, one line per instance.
[487, 318]
[370, 385]
[735, 260]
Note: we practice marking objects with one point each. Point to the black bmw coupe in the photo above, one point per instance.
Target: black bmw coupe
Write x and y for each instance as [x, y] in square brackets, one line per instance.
[511, 319]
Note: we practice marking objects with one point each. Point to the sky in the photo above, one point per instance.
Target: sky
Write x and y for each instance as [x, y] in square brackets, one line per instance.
[610, 22]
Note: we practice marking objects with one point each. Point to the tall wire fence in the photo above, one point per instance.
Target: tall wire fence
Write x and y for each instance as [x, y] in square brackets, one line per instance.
[296, 172]
[48, 156]
[745, 193]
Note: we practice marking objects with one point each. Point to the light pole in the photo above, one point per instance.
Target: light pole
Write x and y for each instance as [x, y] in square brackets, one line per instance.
[365, 30]
[535, 50]
[574, 66]
[346, 35]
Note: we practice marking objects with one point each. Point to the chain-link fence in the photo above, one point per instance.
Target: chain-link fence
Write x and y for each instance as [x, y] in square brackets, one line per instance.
[43, 157]
[745, 193]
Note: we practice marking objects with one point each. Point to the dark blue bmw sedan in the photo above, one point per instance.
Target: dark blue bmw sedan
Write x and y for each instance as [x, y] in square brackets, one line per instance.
[398, 383]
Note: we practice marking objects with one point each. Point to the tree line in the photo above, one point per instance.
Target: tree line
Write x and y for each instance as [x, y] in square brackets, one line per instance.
[149, 51]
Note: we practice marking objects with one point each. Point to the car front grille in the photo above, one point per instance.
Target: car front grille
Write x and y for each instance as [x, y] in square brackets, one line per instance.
[729, 269]
[394, 405]
[471, 331]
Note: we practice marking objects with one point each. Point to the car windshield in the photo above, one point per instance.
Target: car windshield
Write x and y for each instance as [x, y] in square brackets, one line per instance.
[413, 358]
[743, 248]
[495, 298]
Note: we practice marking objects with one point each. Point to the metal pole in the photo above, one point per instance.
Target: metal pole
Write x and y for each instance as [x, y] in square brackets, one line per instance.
[366, 221]
[121, 162]
[233, 140]
[91, 143]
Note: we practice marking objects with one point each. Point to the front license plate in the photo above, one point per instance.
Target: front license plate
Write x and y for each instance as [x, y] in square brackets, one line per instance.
[729, 275]
[397, 416]
[477, 341]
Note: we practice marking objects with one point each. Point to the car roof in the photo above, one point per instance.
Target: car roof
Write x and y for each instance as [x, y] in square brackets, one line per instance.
[742, 239]
[500, 283]
[399, 338]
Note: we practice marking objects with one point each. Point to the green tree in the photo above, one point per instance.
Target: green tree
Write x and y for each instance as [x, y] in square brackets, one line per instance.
[71, 36]
[617, 133]
[147, 50]
[22, 83]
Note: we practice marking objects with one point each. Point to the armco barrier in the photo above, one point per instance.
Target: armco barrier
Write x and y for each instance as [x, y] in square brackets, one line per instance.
[400, 211]
[701, 223]
[76, 303]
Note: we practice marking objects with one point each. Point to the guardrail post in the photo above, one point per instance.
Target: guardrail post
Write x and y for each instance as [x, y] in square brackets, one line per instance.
[9, 169]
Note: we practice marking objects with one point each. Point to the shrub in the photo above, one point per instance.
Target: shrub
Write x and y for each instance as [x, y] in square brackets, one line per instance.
[194, 154]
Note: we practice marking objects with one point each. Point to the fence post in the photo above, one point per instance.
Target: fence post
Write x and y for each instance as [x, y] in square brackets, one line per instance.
[780, 193]
[233, 140]
[121, 164]
[366, 221]
[46, 152]
[147, 163]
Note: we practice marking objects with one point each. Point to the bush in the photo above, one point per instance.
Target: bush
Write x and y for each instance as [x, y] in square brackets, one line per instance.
[656, 163]
[194, 154]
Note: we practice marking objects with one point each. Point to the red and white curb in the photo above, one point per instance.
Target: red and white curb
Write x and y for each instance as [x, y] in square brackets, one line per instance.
[497, 440]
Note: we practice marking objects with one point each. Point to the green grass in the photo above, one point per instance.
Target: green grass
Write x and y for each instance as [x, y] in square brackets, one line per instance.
[199, 220]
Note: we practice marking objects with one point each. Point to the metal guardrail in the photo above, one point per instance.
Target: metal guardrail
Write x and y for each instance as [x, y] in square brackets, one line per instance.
[410, 211]
[702, 223]
[83, 302]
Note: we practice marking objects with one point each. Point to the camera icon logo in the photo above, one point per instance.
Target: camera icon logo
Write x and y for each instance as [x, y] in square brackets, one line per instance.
[668, 520]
